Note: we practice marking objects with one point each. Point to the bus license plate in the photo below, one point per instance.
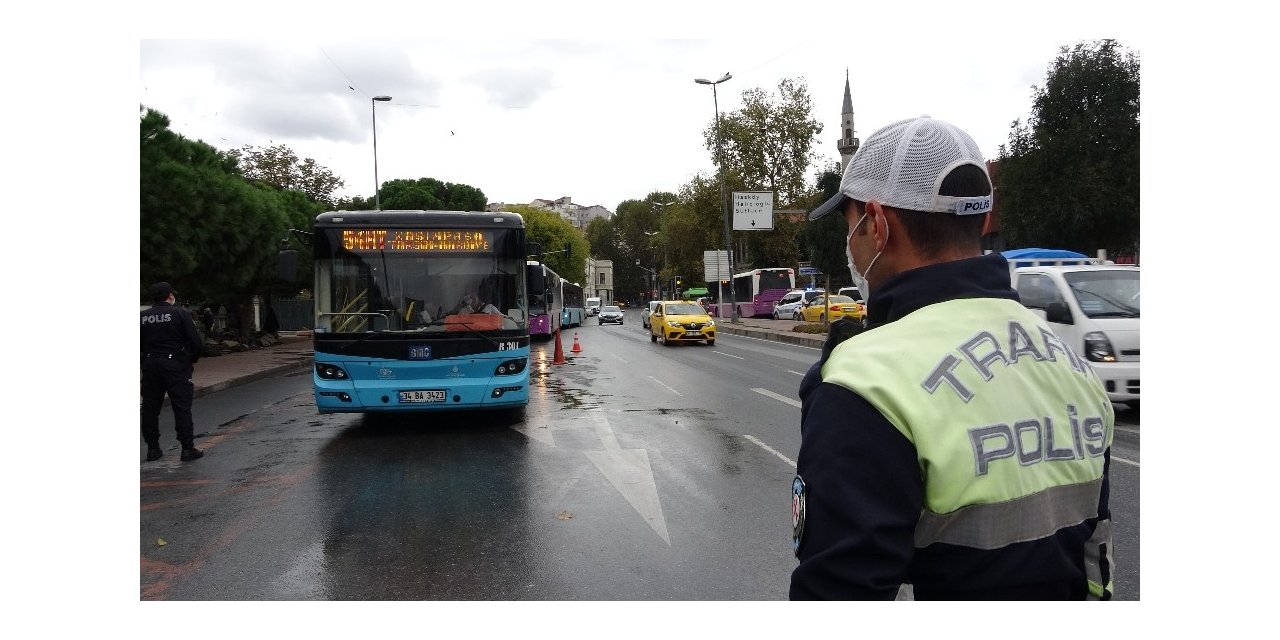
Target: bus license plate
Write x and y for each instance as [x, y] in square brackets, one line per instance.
[425, 395]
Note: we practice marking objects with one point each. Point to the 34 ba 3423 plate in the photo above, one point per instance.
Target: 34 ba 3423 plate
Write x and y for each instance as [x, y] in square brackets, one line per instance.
[422, 395]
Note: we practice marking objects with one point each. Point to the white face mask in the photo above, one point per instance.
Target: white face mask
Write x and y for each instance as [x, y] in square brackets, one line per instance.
[860, 279]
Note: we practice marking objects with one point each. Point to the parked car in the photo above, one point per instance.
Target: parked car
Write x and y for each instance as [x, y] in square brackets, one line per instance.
[610, 313]
[646, 312]
[788, 306]
[832, 308]
[852, 292]
[681, 322]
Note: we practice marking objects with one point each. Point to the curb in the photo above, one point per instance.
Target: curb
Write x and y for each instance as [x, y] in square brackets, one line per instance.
[792, 337]
[282, 369]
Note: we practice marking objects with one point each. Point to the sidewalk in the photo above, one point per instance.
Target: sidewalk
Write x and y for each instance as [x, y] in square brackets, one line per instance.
[294, 354]
[216, 373]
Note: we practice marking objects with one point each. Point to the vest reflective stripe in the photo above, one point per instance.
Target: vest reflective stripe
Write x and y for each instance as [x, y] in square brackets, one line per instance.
[998, 408]
[1098, 564]
[991, 526]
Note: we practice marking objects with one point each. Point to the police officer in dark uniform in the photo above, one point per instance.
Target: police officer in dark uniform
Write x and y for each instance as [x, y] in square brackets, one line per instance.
[170, 346]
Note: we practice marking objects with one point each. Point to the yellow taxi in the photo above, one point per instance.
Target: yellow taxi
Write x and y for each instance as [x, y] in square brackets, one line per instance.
[674, 321]
[832, 308]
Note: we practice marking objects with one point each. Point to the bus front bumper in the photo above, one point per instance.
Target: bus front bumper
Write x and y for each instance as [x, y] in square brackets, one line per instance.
[493, 392]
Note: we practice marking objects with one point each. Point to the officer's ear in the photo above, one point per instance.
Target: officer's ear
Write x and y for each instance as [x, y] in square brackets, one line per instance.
[878, 223]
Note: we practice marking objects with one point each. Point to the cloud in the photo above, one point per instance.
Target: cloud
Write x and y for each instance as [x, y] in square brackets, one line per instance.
[513, 88]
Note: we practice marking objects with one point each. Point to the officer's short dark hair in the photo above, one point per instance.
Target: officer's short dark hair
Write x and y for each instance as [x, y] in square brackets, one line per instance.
[161, 291]
[935, 233]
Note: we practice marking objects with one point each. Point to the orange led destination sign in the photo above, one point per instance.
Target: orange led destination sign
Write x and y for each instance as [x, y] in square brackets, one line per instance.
[426, 240]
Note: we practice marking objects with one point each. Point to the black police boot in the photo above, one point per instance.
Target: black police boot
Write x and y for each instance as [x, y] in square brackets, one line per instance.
[190, 453]
[154, 453]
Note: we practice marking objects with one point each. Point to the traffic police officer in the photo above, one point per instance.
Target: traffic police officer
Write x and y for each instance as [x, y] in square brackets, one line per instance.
[170, 346]
[957, 445]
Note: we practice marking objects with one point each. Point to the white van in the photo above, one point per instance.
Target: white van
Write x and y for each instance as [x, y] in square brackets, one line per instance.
[648, 311]
[1096, 310]
[593, 306]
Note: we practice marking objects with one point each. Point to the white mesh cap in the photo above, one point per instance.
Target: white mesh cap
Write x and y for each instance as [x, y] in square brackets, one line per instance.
[903, 165]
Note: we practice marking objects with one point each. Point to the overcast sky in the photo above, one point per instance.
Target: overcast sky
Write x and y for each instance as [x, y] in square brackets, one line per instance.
[601, 121]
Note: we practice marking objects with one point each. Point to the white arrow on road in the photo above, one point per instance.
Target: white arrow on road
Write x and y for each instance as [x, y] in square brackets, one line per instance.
[630, 472]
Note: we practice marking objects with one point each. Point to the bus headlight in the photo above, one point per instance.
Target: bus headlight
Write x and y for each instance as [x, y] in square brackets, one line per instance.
[1097, 348]
[331, 372]
[511, 367]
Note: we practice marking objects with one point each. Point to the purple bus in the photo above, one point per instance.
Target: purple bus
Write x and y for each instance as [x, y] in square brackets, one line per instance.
[546, 299]
[757, 290]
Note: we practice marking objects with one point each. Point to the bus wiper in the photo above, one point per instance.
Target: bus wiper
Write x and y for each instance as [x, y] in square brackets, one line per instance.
[477, 332]
[366, 336]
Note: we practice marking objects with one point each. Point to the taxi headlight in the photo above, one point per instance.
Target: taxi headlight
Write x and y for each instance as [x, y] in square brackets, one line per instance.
[711, 323]
[673, 323]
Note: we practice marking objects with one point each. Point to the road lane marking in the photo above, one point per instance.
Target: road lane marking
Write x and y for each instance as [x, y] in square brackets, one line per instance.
[728, 355]
[795, 372]
[668, 388]
[791, 401]
[630, 472]
[770, 449]
[1119, 459]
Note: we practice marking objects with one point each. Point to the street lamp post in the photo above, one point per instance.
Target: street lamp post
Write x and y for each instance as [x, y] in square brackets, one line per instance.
[733, 302]
[656, 268]
[373, 102]
[661, 206]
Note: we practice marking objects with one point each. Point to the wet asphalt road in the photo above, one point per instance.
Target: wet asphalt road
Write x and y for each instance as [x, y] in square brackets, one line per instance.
[638, 472]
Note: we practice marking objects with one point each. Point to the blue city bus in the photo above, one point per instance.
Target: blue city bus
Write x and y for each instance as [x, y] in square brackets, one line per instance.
[575, 310]
[420, 311]
[546, 299]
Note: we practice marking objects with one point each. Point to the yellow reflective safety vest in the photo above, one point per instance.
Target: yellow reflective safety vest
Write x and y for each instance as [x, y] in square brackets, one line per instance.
[1010, 427]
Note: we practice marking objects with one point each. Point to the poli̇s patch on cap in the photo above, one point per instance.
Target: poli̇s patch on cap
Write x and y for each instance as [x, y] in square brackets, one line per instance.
[972, 206]
[797, 514]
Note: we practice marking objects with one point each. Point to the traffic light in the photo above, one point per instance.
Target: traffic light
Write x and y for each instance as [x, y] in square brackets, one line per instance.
[679, 281]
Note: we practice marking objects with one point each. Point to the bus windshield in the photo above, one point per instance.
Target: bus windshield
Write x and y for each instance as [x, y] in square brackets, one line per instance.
[390, 288]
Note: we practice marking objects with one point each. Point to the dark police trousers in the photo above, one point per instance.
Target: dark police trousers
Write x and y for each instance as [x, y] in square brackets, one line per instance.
[164, 373]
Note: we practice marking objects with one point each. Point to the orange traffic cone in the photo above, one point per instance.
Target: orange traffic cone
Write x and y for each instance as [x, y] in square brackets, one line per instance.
[577, 348]
[559, 359]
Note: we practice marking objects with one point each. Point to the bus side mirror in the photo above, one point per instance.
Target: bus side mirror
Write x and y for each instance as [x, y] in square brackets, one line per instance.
[288, 265]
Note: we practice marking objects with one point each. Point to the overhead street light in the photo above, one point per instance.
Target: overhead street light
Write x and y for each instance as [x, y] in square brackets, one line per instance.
[373, 102]
[656, 267]
[733, 302]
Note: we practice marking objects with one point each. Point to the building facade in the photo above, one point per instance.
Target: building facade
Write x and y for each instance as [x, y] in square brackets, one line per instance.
[599, 280]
